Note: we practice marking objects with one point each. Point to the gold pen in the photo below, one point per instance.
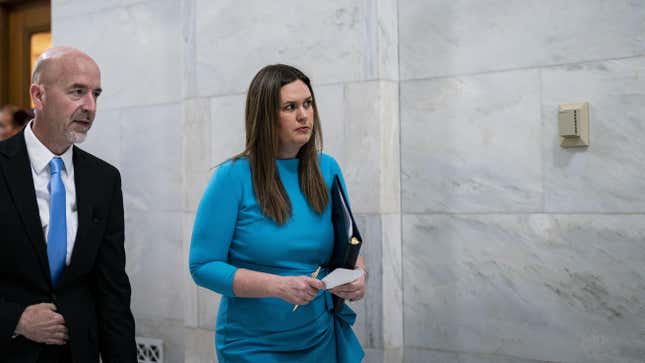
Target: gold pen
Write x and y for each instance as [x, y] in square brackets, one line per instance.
[313, 276]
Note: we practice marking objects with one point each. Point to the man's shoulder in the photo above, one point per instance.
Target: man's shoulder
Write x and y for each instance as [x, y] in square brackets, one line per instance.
[82, 157]
[13, 145]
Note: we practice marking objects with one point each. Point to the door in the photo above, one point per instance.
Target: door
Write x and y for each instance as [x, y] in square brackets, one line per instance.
[25, 31]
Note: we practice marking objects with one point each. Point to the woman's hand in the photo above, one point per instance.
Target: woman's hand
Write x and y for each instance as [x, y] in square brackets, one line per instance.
[298, 290]
[354, 290]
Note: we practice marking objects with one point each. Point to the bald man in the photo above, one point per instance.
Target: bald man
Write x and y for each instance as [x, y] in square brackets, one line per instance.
[64, 293]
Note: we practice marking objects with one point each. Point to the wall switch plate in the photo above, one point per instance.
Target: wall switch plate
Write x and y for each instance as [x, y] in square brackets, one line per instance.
[573, 124]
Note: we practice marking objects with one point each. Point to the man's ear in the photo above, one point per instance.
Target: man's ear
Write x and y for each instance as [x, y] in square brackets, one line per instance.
[37, 93]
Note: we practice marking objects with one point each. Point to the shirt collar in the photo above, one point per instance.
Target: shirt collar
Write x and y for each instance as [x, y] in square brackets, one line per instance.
[39, 154]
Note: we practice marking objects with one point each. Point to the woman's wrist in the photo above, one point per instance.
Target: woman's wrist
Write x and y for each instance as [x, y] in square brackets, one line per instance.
[275, 286]
[364, 270]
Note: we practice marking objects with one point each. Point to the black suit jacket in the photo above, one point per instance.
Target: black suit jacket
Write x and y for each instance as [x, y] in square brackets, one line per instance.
[93, 293]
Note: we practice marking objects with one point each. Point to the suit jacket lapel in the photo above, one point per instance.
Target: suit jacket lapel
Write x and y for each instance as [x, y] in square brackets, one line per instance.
[16, 169]
[84, 208]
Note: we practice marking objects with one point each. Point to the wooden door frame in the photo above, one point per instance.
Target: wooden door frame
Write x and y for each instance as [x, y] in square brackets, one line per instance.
[4, 54]
[26, 66]
[6, 6]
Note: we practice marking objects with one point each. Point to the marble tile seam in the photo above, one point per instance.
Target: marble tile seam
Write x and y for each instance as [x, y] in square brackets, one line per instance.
[543, 132]
[517, 69]
[134, 107]
[201, 98]
[371, 80]
[198, 329]
[99, 10]
[479, 354]
[122, 151]
[144, 318]
[157, 210]
[523, 213]
[377, 214]
[314, 84]
[398, 45]
[210, 97]
[370, 44]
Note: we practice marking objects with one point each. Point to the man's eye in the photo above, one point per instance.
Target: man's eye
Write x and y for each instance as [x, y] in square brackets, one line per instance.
[77, 92]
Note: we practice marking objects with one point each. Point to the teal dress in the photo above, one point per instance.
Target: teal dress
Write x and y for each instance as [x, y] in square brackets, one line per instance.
[231, 232]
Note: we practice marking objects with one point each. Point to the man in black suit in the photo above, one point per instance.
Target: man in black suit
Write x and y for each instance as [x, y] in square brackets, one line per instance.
[64, 293]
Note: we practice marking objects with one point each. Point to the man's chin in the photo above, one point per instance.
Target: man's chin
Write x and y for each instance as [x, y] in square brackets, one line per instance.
[76, 137]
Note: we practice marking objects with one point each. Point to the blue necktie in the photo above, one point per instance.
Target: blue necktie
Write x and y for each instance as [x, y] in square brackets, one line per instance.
[57, 235]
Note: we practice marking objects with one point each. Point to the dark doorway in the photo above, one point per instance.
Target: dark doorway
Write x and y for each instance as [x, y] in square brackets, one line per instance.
[25, 31]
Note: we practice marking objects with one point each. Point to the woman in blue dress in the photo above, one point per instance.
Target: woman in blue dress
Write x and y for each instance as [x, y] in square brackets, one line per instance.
[262, 228]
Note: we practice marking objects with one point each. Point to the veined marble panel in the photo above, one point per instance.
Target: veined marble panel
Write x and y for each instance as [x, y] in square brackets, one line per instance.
[137, 47]
[371, 146]
[513, 285]
[330, 100]
[369, 323]
[380, 314]
[172, 334]
[416, 355]
[390, 139]
[104, 139]
[607, 176]
[375, 355]
[69, 8]
[392, 287]
[151, 156]
[227, 130]
[387, 38]
[197, 135]
[472, 144]
[194, 186]
[443, 38]
[190, 301]
[208, 306]
[330, 41]
[197, 151]
[155, 264]
[200, 346]
[188, 17]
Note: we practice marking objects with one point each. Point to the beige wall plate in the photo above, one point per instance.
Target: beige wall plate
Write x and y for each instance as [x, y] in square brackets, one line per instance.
[573, 124]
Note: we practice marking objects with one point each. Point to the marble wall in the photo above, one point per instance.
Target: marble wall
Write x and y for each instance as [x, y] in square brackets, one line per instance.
[174, 77]
[138, 128]
[486, 241]
[515, 249]
[349, 50]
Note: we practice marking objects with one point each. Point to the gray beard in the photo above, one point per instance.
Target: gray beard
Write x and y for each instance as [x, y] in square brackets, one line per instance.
[75, 137]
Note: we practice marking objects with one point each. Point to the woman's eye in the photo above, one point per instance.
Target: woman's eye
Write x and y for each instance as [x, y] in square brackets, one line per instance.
[308, 104]
[288, 107]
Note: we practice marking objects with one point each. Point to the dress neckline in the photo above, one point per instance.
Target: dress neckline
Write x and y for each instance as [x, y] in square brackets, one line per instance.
[288, 164]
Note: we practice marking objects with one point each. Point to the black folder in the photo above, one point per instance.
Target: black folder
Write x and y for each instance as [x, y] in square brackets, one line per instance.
[347, 238]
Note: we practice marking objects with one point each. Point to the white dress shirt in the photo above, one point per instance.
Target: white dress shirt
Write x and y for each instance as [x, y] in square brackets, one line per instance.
[39, 157]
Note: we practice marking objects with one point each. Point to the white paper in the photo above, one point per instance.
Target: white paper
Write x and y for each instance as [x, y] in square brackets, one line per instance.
[341, 276]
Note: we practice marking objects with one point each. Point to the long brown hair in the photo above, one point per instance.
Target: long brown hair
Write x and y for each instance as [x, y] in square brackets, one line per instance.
[261, 114]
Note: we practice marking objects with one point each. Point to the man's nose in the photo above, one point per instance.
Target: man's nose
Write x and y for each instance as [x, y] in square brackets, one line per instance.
[89, 102]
